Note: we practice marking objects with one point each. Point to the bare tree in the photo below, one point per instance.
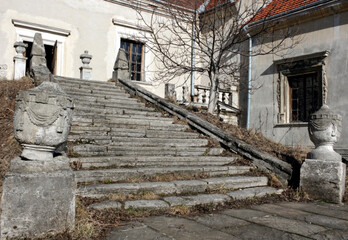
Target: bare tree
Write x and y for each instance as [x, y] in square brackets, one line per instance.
[209, 40]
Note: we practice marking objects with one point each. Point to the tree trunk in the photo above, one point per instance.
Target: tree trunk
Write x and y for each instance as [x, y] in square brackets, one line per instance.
[213, 98]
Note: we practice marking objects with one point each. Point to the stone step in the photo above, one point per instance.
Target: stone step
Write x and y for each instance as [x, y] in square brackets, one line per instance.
[129, 105]
[123, 119]
[149, 142]
[103, 101]
[173, 187]
[63, 80]
[152, 161]
[103, 130]
[106, 150]
[75, 94]
[122, 174]
[90, 89]
[111, 109]
[192, 200]
[113, 103]
[121, 132]
[83, 85]
[88, 111]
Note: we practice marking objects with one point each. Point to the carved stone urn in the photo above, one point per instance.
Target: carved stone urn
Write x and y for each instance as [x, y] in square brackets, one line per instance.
[42, 120]
[20, 48]
[324, 129]
[86, 59]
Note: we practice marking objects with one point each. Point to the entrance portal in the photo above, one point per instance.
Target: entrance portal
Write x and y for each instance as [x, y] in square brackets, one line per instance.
[51, 56]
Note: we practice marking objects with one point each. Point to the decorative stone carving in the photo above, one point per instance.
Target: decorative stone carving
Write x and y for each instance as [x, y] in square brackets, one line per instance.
[42, 120]
[324, 129]
[121, 66]
[85, 69]
[19, 60]
[323, 173]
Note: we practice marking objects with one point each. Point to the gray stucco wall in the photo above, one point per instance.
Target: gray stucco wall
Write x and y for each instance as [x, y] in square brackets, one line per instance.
[328, 33]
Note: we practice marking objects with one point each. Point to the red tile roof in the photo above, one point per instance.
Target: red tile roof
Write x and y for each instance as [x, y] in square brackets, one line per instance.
[215, 3]
[280, 6]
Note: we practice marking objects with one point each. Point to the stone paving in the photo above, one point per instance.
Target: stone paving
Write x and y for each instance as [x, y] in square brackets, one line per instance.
[279, 221]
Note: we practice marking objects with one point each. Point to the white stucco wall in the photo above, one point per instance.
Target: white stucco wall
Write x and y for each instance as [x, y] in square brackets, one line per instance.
[91, 27]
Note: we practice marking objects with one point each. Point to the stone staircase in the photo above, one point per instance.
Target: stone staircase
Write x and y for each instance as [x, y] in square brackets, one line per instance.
[131, 156]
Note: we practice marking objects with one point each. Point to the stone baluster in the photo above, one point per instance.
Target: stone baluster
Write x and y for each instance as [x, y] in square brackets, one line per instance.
[230, 98]
[204, 96]
[85, 69]
[223, 97]
[323, 173]
[19, 60]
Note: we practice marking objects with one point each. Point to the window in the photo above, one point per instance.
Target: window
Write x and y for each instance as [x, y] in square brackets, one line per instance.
[134, 51]
[302, 87]
[305, 96]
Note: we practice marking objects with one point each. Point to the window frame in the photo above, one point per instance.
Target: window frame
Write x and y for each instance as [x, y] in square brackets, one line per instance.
[131, 42]
[288, 68]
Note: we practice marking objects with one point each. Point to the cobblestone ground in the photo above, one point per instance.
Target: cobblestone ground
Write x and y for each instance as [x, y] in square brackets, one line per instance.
[269, 221]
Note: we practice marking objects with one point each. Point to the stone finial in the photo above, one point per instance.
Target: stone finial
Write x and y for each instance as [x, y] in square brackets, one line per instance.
[324, 129]
[85, 69]
[42, 120]
[86, 59]
[121, 66]
[38, 53]
[20, 48]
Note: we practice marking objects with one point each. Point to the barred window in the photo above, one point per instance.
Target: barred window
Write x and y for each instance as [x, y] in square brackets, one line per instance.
[305, 96]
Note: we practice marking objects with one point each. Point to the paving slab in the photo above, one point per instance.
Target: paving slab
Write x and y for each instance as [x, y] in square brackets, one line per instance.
[264, 222]
[185, 229]
[318, 209]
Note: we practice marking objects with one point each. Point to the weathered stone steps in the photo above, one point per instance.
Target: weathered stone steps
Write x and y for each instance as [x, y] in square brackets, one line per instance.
[151, 142]
[192, 200]
[103, 129]
[63, 80]
[127, 146]
[173, 187]
[122, 174]
[141, 120]
[107, 150]
[152, 161]
[115, 111]
[144, 133]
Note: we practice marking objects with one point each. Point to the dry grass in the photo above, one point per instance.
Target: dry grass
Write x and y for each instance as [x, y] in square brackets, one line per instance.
[8, 144]
[254, 138]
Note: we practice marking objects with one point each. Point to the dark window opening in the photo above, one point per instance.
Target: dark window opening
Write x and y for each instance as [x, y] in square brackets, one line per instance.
[305, 96]
[134, 51]
[50, 57]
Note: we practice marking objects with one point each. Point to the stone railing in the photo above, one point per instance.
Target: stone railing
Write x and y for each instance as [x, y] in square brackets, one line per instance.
[202, 94]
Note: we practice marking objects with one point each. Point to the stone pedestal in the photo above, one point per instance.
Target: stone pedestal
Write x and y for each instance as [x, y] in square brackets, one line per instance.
[323, 179]
[38, 198]
[323, 173]
[19, 67]
[86, 73]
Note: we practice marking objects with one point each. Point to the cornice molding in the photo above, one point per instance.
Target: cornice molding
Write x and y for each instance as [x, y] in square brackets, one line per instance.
[40, 27]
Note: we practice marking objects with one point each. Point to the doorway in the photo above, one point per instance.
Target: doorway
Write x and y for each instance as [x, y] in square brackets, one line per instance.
[51, 56]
